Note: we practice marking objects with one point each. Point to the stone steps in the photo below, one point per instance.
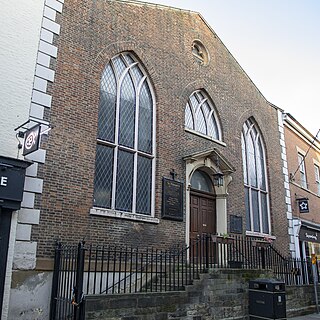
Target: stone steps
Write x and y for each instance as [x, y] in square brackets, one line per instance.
[217, 295]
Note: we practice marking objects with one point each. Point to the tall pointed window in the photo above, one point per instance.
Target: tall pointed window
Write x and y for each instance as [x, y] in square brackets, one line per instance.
[200, 116]
[255, 180]
[125, 155]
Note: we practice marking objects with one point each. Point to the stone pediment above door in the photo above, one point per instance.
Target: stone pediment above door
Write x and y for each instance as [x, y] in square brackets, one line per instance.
[212, 162]
[211, 158]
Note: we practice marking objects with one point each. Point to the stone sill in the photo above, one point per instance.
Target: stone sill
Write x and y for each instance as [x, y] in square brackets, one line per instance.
[205, 136]
[123, 215]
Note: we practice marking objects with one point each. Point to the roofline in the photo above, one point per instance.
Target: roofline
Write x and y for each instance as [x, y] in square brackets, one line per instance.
[208, 25]
[293, 124]
[276, 107]
[210, 28]
[157, 5]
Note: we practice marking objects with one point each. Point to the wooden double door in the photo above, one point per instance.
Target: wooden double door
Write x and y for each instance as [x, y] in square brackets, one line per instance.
[202, 214]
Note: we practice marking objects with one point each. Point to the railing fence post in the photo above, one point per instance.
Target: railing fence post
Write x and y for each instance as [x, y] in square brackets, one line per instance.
[55, 281]
[78, 289]
[207, 251]
[263, 257]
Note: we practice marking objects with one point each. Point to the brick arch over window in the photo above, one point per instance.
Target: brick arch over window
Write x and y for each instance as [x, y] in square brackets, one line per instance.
[125, 152]
[255, 179]
[201, 116]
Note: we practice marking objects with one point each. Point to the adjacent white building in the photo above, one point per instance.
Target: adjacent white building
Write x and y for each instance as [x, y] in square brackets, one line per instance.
[28, 28]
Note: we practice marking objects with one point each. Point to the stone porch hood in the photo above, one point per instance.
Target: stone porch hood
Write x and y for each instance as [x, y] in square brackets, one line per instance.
[213, 159]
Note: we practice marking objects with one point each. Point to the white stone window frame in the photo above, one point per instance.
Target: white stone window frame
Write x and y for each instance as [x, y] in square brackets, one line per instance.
[113, 212]
[248, 185]
[200, 52]
[317, 175]
[195, 119]
[303, 182]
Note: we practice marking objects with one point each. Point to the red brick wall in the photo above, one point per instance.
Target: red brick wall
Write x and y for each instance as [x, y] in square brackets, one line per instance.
[293, 140]
[91, 33]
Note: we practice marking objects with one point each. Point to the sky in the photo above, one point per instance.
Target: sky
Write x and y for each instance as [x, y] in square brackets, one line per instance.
[276, 42]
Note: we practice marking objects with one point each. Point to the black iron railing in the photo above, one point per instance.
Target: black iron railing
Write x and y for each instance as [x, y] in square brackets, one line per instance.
[110, 269]
[96, 269]
[67, 283]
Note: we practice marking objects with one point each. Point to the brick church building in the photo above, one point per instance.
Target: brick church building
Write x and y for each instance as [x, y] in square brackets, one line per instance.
[158, 136]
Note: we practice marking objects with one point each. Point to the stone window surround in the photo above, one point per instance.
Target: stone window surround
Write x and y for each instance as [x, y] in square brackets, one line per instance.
[200, 52]
[317, 175]
[302, 168]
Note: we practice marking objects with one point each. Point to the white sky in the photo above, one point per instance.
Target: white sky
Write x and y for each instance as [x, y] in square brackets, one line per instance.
[277, 43]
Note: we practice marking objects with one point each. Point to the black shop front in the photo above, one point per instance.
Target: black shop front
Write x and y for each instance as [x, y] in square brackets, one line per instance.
[12, 177]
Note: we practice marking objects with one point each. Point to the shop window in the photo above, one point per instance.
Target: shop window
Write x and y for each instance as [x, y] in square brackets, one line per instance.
[125, 152]
[255, 179]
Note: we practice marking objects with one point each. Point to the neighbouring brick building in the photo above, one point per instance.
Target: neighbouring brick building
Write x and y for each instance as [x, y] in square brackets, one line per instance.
[303, 156]
[158, 135]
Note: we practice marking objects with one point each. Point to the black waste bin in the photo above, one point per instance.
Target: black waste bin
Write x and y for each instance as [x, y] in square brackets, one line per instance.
[267, 299]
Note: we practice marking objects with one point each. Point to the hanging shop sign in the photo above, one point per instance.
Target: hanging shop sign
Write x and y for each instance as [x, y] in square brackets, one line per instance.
[31, 140]
[172, 199]
[309, 235]
[12, 174]
[303, 205]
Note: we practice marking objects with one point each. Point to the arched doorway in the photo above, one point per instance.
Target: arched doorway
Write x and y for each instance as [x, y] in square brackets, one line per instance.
[204, 200]
[202, 205]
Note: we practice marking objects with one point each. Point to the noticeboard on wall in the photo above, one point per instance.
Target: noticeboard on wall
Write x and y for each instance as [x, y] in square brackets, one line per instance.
[235, 224]
[172, 199]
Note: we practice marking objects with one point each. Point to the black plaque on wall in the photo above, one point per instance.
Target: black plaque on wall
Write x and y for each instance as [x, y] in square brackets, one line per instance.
[235, 224]
[172, 199]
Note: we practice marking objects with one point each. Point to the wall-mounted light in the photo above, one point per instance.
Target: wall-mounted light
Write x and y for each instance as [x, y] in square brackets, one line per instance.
[218, 179]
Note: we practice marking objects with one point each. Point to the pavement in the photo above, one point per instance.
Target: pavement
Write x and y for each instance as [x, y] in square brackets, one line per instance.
[312, 316]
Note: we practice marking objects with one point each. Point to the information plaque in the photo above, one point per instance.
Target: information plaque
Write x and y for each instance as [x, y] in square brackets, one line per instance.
[235, 224]
[172, 199]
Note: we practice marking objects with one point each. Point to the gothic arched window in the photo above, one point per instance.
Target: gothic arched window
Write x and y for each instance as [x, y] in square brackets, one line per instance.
[200, 115]
[125, 154]
[255, 179]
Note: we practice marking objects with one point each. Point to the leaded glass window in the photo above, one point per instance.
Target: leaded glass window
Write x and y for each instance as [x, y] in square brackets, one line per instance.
[255, 179]
[200, 116]
[124, 174]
